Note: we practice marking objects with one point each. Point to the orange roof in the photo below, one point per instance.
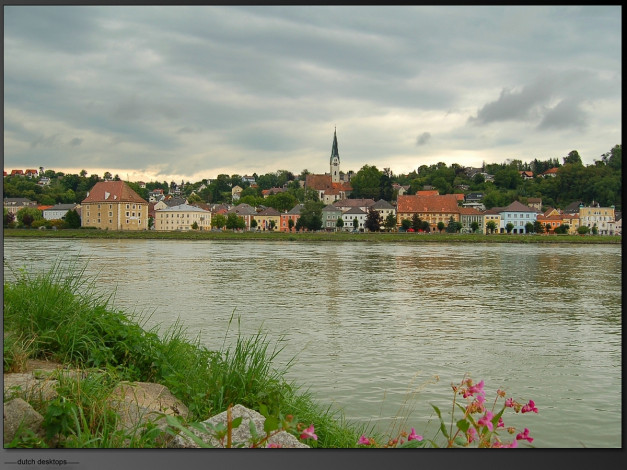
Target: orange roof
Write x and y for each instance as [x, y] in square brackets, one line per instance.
[112, 191]
[43, 208]
[459, 196]
[550, 171]
[468, 211]
[430, 192]
[445, 203]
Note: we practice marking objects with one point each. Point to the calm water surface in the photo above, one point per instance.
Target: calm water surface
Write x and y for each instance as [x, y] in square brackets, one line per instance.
[382, 330]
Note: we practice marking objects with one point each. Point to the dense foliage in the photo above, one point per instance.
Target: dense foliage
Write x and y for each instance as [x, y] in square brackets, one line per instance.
[600, 182]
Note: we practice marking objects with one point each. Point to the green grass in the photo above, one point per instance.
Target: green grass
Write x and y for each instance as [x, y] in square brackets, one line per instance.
[378, 237]
[60, 315]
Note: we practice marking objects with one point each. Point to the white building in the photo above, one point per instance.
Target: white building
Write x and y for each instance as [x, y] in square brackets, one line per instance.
[57, 212]
[182, 217]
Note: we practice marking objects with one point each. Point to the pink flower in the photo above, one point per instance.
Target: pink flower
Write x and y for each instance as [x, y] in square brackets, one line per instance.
[363, 440]
[509, 402]
[501, 423]
[477, 388]
[524, 435]
[471, 434]
[273, 445]
[529, 407]
[413, 436]
[486, 420]
[309, 433]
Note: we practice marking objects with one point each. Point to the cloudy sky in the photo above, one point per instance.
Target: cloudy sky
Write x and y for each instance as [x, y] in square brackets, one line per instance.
[162, 93]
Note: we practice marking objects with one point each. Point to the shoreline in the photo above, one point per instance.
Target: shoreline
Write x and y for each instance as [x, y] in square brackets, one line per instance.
[374, 237]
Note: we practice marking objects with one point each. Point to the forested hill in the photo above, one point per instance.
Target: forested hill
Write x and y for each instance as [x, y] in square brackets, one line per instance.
[501, 184]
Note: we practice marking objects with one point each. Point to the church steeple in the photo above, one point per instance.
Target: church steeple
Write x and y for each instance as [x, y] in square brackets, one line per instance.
[335, 160]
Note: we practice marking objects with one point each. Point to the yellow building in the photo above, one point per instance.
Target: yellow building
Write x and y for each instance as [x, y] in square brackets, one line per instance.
[602, 217]
[182, 217]
[491, 215]
[265, 217]
[113, 205]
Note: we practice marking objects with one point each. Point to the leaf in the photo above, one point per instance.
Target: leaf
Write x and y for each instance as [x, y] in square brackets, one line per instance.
[442, 426]
[463, 425]
[270, 424]
[263, 410]
[236, 422]
[172, 421]
[253, 430]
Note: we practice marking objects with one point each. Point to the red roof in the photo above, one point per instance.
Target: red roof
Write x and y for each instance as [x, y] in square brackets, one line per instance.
[112, 191]
[428, 192]
[446, 203]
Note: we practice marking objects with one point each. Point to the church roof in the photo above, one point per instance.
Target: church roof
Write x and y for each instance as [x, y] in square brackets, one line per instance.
[334, 151]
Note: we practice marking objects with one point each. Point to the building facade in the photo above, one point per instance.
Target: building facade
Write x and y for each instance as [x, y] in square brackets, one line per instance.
[113, 205]
[182, 218]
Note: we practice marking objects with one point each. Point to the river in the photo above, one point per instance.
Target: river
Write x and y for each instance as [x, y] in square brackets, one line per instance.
[381, 330]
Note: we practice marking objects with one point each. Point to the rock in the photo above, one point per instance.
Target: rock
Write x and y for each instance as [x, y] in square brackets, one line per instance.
[20, 416]
[241, 434]
[30, 387]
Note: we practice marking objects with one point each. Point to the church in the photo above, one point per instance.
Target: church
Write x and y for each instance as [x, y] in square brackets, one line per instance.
[334, 185]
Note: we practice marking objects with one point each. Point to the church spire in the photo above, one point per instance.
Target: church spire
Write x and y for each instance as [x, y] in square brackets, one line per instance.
[335, 160]
[334, 152]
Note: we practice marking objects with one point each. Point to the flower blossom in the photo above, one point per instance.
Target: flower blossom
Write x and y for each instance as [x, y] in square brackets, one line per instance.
[509, 403]
[486, 420]
[309, 433]
[524, 435]
[364, 441]
[529, 407]
[273, 445]
[413, 436]
[471, 434]
[501, 423]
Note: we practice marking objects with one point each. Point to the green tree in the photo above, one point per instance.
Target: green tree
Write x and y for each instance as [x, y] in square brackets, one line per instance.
[509, 227]
[72, 219]
[355, 223]
[218, 221]
[366, 182]
[405, 224]
[529, 227]
[595, 229]
[151, 222]
[582, 230]
[373, 220]
[339, 223]
[538, 227]
[416, 223]
[253, 223]
[9, 218]
[27, 215]
[290, 224]
[441, 226]
[390, 222]
[490, 226]
[573, 157]
[195, 225]
[311, 215]
[474, 226]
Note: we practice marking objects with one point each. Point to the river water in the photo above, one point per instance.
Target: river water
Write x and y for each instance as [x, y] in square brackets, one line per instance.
[381, 330]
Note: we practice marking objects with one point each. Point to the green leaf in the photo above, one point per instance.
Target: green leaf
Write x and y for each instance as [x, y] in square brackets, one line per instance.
[463, 425]
[253, 430]
[442, 425]
[263, 410]
[172, 421]
[270, 424]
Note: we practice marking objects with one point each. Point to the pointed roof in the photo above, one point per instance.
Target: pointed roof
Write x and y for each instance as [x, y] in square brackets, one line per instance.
[382, 204]
[113, 191]
[518, 206]
[334, 151]
[270, 211]
[296, 209]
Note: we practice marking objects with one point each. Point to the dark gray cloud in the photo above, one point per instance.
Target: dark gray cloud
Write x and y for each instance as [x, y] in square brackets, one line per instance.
[196, 90]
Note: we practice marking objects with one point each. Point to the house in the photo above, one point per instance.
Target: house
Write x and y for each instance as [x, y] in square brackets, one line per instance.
[602, 217]
[573, 207]
[172, 201]
[551, 173]
[468, 215]
[400, 190]
[384, 209]
[269, 192]
[347, 204]
[460, 197]
[330, 215]
[236, 192]
[293, 214]
[572, 220]
[526, 175]
[268, 219]
[492, 215]
[550, 220]
[182, 217]
[142, 184]
[248, 179]
[473, 197]
[17, 173]
[245, 211]
[433, 209]
[31, 173]
[156, 195]
[43, 181]
[535, 203]
[518, 214]
[14, 204]
[350, 215]
[57, 211]
[427, 190]
[113, 205]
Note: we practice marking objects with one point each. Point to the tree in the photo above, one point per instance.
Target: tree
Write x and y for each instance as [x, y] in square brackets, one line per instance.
[9, 217]
[27, 215]
[582, 230]
[272, 224]
[253, 223]
[195, 225]
[573, 157]
[453, 226]
[528, 227]
[72, 219]
[416, 223]
[490, 226]
[151, 223]
[290, 224]
[390, 222]
[441, 226]
[218, 221]
[367, 182]
[595, 230]
[339, 223]
[355, 223]
[538, 227]
[405, 224]
[474, 226]
[509, 227]
[194, 198]
[373, 220]
[562, 229]
[311, 215]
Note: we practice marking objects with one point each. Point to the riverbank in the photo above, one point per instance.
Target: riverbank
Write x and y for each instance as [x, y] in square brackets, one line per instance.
[374, 237]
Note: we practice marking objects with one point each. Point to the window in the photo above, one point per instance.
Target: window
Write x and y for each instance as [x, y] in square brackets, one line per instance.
[110, 214]
[128, 206]
[110, 206]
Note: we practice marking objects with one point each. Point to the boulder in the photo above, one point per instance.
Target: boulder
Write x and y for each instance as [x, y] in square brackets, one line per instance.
[20, 416]
[241, 434]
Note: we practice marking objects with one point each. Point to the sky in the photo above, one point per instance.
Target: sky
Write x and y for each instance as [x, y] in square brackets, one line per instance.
[184, 93]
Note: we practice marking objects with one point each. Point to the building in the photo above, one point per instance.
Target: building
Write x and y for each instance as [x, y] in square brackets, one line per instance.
[432, 209]
[330, 215]
[518, 214]
[113, 205]
[468, 215]
[602, 217]
[245, 211]
[14, 204]
[491, 215]
[350, 215]
[182, 217]
[535, 203]
[384, 209]
[347, 204]
[293, 214]
[333, 186]
[268, 219]
[57, 211]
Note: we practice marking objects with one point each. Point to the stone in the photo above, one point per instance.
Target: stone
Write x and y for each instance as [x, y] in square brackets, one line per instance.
[241, 434]
[30, 387]
[20, 416]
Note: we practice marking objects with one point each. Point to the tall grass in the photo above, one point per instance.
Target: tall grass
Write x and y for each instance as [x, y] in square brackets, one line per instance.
[62, 315]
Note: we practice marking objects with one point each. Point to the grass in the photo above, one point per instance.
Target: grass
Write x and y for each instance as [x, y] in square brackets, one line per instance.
[377, 237]
[60, 315]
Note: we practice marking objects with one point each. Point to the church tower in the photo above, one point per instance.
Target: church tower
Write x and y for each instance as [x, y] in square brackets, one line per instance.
[335, 160]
